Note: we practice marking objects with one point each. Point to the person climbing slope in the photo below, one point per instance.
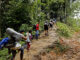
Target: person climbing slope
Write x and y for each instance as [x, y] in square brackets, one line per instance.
[13, 43]
[46, 27]
[37, 30]
[28, 35]
[51, 24]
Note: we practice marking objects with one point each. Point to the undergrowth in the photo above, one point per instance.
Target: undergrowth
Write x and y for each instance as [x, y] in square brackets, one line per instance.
[63, 29]
[74, 24]
[68, 28]
[4, 54]
[58, 48]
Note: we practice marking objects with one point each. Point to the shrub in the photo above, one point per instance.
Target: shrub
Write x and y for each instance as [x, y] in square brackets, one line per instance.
[4, 54]
[63, 29]
[60, 48]
[74, 24]
[0, 39]
[25, 27]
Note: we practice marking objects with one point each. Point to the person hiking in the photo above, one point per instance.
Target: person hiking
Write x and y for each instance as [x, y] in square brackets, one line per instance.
[37, 30]
[15, 37]
[51, 24]
[54, 20]
[28, 35]
[31, 37]
[46, 27]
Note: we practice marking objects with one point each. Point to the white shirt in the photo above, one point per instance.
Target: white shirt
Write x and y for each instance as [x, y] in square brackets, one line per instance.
[28, 35]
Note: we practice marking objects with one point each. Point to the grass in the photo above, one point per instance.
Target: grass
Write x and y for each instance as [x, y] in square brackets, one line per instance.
[4, 54]
[68, 29]
[58, 48]
[63, 30]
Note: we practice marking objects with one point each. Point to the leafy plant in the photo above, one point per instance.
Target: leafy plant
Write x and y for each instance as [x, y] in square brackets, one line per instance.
[63, 29]
[25, 27]
[0, 39]
[74, 24]
[4, 54]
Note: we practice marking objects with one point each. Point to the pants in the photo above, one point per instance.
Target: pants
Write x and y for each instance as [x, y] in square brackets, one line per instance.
[14, 54]
[28, 45]
[37, 34]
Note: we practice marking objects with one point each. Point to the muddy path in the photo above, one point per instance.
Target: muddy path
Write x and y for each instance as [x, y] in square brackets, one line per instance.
[73, 53]
[38, 45]
[37, 50]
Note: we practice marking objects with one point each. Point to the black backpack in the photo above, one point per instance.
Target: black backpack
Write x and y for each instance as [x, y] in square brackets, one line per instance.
[34, 27]
[11, 42]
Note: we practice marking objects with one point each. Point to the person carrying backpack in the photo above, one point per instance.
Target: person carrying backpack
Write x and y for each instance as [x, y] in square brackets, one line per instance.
[51, 24]
[46, 27]
[13, 43]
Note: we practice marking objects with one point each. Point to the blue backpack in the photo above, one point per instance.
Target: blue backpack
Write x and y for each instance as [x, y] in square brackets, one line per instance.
[4, 42]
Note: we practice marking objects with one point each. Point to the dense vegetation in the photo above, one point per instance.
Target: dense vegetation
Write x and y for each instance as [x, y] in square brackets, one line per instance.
[71, 25]
[27, 12]
[23, 14]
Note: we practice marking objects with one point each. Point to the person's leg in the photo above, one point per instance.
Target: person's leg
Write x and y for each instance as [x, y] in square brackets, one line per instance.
[28, 46]
[21, 54]
[9, 50]
[47, 32]
[13, 54]
[37, 34]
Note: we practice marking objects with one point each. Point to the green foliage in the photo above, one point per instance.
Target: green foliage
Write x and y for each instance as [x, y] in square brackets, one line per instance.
[4, 54]
[22, 42]
[49, 49]
[58, 47]
[57, 6]
[33, 32]
[24, 27]
[18, 12]
[75, 6]
[42, 18]
[0, 39]
[63, 29]
[74, 24]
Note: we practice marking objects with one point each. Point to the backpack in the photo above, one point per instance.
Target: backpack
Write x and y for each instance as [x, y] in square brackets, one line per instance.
[34, 27]
[11, 42]
[4, 42]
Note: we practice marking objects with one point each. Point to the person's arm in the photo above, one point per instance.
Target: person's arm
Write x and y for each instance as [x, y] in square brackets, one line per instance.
[25, 38]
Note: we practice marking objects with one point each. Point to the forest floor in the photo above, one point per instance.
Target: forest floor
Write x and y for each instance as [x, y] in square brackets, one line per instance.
[38, 48]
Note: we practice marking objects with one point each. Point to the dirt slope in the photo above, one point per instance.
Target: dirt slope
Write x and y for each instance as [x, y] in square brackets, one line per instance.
[38, 45]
